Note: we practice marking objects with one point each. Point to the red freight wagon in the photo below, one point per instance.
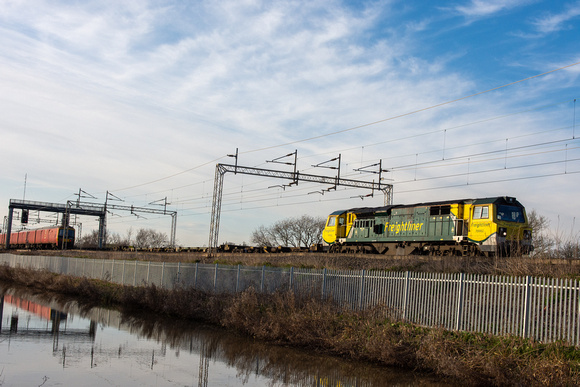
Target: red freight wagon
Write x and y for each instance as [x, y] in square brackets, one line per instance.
[49, 237]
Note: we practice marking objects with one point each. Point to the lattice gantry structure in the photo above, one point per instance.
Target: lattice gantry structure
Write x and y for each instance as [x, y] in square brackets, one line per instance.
[294, 177]
[86, 209]
[71, 208]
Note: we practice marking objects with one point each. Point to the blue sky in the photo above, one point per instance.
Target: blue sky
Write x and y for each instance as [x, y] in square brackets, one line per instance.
[143, 98]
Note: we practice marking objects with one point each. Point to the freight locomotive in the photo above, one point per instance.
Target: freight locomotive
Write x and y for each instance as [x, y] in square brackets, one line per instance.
[41, 238]
[468, 227]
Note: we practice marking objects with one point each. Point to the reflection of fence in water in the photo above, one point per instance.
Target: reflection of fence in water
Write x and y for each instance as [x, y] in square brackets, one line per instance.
[250, 357]
[544, 309]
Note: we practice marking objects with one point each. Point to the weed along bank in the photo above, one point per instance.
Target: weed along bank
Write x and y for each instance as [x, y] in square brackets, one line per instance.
[71, 343]
[542, 309]
[473, 328]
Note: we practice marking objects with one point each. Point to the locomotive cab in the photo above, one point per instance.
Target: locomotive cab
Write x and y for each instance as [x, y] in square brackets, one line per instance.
[337, 226]
[500, 226]
[334, 224]
[513, 230]
[66, 237]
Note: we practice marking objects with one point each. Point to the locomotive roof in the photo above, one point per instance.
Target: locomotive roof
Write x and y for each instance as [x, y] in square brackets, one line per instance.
[368, 210]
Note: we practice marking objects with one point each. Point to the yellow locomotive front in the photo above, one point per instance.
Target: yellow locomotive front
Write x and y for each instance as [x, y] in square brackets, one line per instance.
[337, 227]
[499, 226]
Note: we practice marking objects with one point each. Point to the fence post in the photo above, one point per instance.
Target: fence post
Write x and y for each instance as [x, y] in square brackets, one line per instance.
[405, 295]
[526, 314]
[195, 278]
[215, 278]
[577, 313]
[459, 308]
[238, 279]
[148, 270]
[262, 280]
[123, 275]
[291, 277]
[178, 273]
[135, 274]
[361, 290]
[112, 269]
[323, 282]
[162, 273]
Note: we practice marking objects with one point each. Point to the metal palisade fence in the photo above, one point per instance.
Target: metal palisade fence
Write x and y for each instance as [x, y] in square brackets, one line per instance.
[544, 309]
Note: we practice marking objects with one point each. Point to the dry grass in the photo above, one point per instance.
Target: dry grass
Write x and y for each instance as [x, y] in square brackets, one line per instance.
[543, 266]
[475, 359]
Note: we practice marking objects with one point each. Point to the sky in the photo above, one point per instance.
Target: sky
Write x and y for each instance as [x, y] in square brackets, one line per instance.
[136, 102]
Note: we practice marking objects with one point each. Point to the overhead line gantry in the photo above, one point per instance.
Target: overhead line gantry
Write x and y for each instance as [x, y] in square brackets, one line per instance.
[294, 177]
[78, 207]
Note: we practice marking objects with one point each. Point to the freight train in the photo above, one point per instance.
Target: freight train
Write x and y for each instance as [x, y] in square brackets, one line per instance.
[41, 238]
[468, 227]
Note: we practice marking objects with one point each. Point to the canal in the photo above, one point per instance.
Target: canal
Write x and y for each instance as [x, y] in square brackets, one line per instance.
[50, 340]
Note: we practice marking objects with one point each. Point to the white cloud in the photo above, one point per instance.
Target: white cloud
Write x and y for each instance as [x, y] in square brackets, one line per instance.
[485, 8]
[554, 22]
[108, 95]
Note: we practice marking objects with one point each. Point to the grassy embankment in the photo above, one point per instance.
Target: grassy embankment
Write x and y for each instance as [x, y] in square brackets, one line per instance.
[285, 319]
[544, 266]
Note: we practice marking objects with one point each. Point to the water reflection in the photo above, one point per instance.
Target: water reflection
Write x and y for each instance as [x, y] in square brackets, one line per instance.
[48, 340]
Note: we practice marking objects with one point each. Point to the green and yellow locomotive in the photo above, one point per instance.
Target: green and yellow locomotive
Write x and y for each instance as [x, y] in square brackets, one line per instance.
[488, 226]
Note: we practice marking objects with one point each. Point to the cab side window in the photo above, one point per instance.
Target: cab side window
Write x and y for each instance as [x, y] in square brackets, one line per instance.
[481, 212]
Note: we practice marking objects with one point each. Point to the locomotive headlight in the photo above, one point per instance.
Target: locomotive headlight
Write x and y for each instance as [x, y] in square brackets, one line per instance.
[502, 231]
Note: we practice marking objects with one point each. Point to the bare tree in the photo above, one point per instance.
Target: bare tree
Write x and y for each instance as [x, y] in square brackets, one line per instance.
[261, 237]
[129, 238]
[149, 238]
[114, 239]
[539, 224]
[89, 240]
[292, 232]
